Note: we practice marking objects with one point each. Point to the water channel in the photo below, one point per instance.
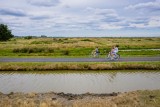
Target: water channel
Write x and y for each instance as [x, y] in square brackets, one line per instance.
[79, 82]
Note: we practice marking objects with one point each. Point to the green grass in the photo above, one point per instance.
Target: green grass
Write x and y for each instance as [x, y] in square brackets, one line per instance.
[77, 47]
[140, 53]
[78, 52]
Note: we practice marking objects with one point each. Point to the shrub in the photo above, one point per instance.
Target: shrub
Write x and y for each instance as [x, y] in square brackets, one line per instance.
[87, 40]
[65, 52]
[28, 37]
[41, 42]
[5, 33]
[33, 50]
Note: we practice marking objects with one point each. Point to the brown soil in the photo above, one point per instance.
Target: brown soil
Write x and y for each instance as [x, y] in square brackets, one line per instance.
[129, 99]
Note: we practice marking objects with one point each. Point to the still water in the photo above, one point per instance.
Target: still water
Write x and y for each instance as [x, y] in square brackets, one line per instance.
[78, 83]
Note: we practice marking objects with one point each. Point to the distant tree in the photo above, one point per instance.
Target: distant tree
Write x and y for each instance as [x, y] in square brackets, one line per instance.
[28, 37]
[5, 33]
[43, 36]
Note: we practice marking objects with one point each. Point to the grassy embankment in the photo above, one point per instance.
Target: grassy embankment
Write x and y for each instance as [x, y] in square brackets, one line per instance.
[77, 47]
[78, 66]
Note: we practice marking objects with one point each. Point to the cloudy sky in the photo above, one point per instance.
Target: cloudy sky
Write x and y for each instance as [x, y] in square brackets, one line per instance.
[81, 17]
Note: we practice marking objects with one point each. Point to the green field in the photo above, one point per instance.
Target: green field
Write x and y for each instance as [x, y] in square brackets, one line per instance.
[78, 47]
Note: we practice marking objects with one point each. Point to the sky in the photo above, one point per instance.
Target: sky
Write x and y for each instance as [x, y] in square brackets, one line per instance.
[82, 18]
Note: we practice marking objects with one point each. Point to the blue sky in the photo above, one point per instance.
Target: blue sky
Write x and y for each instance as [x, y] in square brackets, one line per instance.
[82, 17]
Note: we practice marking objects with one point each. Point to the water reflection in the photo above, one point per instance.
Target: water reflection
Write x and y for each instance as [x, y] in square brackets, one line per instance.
[70, 82]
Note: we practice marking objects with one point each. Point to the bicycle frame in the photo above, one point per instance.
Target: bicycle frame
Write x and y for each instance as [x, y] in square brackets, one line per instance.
[113, 56]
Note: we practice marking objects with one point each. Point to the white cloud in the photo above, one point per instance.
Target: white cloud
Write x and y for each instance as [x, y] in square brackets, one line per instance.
[12, 12]
[83, 3]
[153, 6]
[96, 3]
[102, 15]
[154, 22]
[109, 27]
[44, 3]
[134, 25]
[99, 11]
[157, 0]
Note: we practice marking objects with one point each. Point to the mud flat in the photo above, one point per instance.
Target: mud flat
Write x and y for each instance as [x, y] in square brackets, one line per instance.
[145, 98]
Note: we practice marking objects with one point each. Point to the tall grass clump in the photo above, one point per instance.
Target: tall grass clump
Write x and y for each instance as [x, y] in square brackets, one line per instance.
[58, 40]
[33, 50]
[42, 42]
[65, 52]
[28, 37]
[87, 40]
[40, 66]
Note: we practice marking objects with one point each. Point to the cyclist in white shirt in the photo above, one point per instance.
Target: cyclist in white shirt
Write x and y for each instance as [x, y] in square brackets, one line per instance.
[115, 51]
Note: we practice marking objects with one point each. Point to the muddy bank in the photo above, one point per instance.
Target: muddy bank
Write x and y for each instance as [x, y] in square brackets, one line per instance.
[130, 99]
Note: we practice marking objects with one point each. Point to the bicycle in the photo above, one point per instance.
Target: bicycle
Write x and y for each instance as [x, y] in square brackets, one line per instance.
[113, 57]
[94, 54]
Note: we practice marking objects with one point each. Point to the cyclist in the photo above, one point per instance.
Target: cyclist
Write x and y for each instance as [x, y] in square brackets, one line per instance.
[97, 52]
[114, 51]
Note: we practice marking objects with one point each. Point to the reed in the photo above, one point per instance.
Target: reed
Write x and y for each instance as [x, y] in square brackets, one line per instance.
[42, 66]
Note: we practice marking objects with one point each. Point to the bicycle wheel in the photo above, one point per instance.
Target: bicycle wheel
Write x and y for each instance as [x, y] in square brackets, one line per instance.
[117, 56]
[109, 57]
